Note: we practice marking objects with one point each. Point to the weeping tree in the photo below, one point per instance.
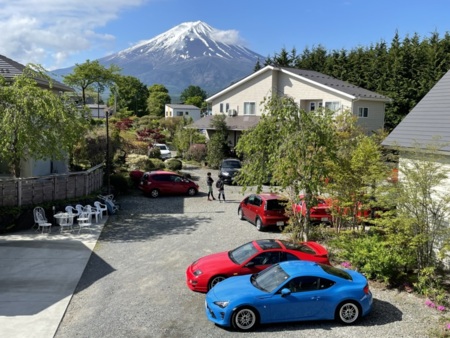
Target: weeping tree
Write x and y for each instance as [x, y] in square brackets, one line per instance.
[296, 148]
[36, 122]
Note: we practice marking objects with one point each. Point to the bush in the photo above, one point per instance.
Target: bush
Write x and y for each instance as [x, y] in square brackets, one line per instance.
[154, 152]
[196, 152]
[156, 163]
[174, 164]
[371, 255]
[119, 182]
[141, 162]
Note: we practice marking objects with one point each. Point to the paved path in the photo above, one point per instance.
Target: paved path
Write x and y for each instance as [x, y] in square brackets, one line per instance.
[38, 276]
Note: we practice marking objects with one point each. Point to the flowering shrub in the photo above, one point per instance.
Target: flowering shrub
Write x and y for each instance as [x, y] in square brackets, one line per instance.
[346, 265]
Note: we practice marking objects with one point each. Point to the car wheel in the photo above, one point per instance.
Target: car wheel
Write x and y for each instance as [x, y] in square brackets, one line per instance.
[154, 193]
[244, 319]
[348, 312]
[259, 225]
[215, 280]
[191, 191]
[240, 214]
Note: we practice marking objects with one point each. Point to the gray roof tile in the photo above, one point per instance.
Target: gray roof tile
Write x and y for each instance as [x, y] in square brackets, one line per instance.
[428, 122]
[10, 68]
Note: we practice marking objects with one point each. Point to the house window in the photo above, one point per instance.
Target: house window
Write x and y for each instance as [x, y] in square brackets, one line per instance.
[186, 113]
[221, 108]
[249, 108]
[363, 112]
[333, 105]
[227, 107]
[312, 106]
[179, 113]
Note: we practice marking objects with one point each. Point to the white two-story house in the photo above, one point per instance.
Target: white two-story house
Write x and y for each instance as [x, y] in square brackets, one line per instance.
[242, 102]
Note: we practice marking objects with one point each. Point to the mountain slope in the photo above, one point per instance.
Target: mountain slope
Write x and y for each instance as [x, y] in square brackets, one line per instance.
[192, 53]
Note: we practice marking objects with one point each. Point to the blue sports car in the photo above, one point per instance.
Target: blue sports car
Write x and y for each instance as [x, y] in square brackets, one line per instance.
[289, 291]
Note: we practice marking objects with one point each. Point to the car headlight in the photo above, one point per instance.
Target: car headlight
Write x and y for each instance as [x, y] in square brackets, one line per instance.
[225, 174]
[197, 272]
[222, 304]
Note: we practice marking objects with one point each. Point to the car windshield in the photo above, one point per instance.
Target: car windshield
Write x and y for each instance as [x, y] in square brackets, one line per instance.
[231, 164]
[275, 204]
[162, 147]
[269, 279]
[242, 253]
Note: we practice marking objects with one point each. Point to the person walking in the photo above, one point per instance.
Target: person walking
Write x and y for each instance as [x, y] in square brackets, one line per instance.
[220, 185]
[209, 182]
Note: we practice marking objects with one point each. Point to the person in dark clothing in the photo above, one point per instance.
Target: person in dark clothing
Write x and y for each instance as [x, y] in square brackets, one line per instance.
[209, 182]
[220, 185]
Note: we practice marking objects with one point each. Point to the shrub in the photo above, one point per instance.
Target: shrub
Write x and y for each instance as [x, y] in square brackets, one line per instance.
[174, 164]
[157, 163]
[196, 152]
[141, 162]
[154, 152]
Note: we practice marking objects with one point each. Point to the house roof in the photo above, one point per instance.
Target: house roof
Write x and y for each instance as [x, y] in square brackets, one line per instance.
[240, 122]
[428, 122]
[9, 69]
[182, 106]
[314, 78]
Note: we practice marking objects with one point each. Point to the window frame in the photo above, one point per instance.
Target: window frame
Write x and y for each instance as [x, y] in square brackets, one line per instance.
[250, 104]
[363, 112]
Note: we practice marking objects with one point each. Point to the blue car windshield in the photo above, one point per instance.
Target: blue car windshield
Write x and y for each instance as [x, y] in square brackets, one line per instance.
[269, 279]
[242, 253]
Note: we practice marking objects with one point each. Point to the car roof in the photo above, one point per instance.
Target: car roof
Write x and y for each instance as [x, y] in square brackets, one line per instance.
[268, 244]
[161, 172]
[305, 267]
[231, 159]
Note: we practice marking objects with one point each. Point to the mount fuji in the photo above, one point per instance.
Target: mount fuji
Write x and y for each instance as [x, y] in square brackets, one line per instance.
[192, 53]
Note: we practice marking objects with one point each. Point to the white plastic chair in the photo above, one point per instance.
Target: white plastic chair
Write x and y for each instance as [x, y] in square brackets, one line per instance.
[101, 207]
[84, 221]
[92, 211]
[40, 220]
[72, 211]
[79, 208]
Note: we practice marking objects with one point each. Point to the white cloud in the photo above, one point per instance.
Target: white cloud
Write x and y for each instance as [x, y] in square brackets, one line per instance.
[228, 37]
[48, 32]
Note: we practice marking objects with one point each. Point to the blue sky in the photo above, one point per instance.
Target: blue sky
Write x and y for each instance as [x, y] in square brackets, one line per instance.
[60, 33]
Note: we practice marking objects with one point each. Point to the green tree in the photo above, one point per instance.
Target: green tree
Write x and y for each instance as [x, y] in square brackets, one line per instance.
[218, 143]
[157, 99]
[296, 157]
[89, 74]
[130, 94]
[193, 91]
[36, 123]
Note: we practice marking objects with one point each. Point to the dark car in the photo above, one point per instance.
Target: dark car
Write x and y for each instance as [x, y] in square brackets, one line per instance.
[155, 183]
[264, 210]
[228, 169]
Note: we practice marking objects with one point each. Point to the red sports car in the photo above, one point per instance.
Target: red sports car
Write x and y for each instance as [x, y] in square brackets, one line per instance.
[249, 258]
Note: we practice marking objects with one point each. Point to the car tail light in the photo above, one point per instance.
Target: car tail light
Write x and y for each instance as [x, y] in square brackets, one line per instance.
[366, 289]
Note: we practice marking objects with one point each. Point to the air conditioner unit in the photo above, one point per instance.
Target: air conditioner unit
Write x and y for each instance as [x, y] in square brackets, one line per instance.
[232, 112]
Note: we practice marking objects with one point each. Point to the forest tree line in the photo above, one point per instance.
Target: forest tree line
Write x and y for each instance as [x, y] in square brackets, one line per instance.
[404, 71]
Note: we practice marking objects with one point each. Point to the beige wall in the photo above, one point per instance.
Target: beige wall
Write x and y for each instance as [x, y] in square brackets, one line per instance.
[375, 119]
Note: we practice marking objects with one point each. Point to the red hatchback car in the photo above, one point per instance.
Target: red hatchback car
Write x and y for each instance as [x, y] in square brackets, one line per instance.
[155, 183]
[321, 213]
[249, 258]
[263, 210]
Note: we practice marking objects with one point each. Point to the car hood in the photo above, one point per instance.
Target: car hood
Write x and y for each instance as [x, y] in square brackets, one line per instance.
[215, 262]
[235, 287]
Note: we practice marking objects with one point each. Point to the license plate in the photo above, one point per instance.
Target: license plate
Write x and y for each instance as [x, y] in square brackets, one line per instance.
[324, 219]
[281, 223]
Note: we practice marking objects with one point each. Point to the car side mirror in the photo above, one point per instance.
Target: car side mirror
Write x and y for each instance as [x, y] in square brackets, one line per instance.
[285, 292]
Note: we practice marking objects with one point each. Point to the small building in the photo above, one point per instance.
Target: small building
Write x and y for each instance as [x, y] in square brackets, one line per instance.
[182, 110]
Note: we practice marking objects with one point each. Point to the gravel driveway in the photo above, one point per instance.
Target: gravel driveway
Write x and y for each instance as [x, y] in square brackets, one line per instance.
[134, 284]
